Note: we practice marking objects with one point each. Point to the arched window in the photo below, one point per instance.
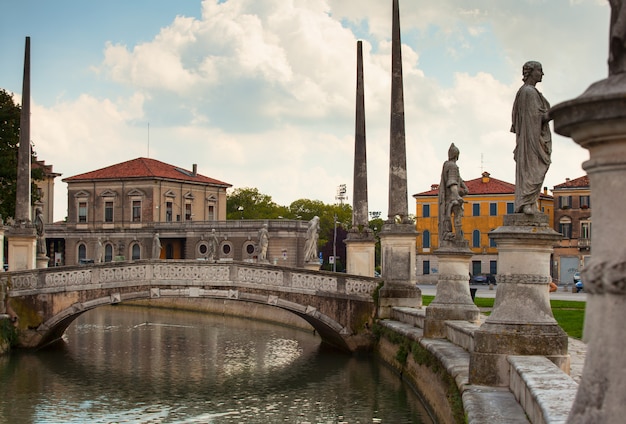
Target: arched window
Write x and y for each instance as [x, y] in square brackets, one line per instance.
[476, 238]
[82, 251]
[108, 252]
[426, 239]
[136, 252]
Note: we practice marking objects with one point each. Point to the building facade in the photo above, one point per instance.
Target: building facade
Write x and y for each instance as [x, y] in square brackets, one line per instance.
[488, 200]
[572, 218]
[146, 209]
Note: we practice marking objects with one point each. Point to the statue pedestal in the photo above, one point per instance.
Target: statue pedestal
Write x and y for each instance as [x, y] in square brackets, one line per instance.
[597, 121]
[42, 261]
[521, 322]
[22, 245]
[360, 252]
[397, 243]
[313, 266]
[453, 300]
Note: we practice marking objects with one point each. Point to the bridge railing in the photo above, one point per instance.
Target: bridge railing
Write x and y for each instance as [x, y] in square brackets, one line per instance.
[186, 273]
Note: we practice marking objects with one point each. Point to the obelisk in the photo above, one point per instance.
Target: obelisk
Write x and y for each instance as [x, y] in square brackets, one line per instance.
[398, 234]
[22, 235]
[360, 243]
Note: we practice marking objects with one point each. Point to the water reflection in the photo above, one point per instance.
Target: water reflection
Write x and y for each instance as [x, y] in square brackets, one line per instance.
[141, 365]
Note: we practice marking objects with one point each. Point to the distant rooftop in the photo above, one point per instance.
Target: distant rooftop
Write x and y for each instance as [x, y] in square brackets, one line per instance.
[142, 168]
[580, 182]
[480, 186]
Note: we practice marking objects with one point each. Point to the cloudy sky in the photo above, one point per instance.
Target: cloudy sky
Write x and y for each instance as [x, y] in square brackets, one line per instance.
[261, 93]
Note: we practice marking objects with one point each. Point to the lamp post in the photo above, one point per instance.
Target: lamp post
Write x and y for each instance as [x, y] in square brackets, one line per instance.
[240, 209]
[335, 246]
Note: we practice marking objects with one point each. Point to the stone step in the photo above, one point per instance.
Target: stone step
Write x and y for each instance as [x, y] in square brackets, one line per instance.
[411, 316]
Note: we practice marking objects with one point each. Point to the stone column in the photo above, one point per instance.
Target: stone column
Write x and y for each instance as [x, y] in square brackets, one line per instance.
[521, 322]
[597, 121]
[453, 300]
[398, 235]
[22, 235]
[360, 243]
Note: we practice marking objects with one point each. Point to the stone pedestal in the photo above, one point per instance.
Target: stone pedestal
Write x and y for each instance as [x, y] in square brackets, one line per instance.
[597, 121]
[313, 266]
[361, 253]
[521, 322]
[42, 261]
[22, 247]
[397, 242]
[453, 300]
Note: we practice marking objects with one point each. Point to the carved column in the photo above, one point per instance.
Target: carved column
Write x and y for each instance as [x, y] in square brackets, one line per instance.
[597, 121]
[453, 300]
[521, 322]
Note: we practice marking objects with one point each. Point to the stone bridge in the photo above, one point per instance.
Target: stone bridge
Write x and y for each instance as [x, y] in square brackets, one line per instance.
[46, 301]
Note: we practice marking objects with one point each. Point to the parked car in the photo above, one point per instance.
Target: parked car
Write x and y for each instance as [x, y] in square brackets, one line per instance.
[478, 279]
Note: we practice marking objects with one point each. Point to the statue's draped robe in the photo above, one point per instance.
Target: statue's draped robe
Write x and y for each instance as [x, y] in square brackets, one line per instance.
[533, 145]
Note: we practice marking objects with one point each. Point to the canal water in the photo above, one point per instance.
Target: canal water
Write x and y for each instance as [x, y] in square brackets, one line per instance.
[125, 364]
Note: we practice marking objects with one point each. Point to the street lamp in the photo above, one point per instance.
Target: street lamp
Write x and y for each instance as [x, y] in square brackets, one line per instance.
[240, 209]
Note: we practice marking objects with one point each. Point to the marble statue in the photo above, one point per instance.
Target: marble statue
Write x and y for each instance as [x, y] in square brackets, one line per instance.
[617, 38]
[310, 246]
[533, 141]
[452, 189]
[156, 246]
[99, 251]
[264, 240]
[41, 238]
[213, 244]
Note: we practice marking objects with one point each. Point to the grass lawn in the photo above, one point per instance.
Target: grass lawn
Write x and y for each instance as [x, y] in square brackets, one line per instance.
[570, 315]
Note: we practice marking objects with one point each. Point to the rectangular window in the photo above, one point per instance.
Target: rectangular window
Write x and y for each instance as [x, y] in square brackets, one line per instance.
[493, 209]
[510, 208]
[82, 211]
[136, 210]
[585, 230]
[565, 202]
[211, 214]
[187, 211]
[169, 212]
[476, 268]
[585, 202]
[425, 211]
[566, 230]
[426, 268]
[108, 211]
[492, 243]
[476, 209]
[493, 267]
[475, 238]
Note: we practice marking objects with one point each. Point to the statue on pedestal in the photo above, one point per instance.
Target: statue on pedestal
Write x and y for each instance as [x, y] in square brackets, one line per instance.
[310, 246]
[156, 246]
[264, 241]
[452, 189]
[41, 238]
[533, 141]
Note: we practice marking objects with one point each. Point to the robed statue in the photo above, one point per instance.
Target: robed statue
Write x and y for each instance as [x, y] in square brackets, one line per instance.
[452, 189]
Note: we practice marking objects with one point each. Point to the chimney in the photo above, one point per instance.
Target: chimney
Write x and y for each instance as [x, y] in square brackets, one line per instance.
[567, 180]
[434, 186]
[545, 190]
[194, 171]
[486, 177]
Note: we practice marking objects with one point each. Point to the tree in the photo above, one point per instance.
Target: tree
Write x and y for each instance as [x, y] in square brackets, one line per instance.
[249, 203]
[9, 144]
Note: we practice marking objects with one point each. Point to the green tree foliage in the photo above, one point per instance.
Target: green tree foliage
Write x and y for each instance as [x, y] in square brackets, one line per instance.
[9, 143]
[249, 203]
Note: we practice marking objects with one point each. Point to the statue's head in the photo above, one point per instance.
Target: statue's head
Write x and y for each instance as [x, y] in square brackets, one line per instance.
[453, 152]
[528, 68]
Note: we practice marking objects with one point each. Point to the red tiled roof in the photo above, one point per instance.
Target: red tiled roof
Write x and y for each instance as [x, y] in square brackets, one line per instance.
[478, 187]
[581, 182]
[144, 168]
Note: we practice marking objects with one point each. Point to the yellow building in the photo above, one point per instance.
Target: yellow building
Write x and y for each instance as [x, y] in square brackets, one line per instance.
[489, 199]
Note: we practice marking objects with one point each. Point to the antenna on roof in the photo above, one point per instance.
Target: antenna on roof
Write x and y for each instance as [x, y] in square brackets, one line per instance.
[148, 139]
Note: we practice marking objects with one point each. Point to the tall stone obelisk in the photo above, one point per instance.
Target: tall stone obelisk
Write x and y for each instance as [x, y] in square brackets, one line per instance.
[596, 120]
[360, 243]
[398, 234]
[22, 236]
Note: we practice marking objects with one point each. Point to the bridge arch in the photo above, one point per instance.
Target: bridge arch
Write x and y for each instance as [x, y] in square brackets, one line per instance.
[338, 306]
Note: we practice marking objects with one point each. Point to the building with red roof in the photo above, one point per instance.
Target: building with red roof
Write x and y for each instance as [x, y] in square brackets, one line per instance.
[572, 218]
[488, 200]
